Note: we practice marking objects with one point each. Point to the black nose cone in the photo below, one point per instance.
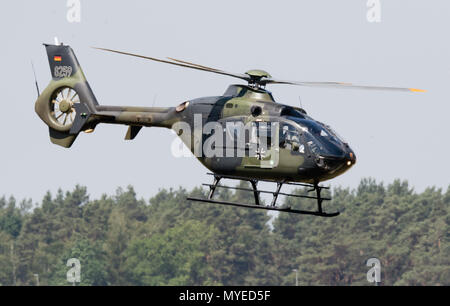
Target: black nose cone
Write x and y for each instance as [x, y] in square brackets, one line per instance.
[350, 157]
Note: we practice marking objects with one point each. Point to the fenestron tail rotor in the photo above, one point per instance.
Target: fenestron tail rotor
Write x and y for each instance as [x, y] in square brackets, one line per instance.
[62, 106]
[260, 78]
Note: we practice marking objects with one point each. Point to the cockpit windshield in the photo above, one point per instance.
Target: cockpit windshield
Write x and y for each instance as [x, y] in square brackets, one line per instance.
[333, 133]
[320, 138]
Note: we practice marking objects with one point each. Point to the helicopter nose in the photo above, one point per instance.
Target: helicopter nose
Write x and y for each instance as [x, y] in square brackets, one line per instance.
[350, 158]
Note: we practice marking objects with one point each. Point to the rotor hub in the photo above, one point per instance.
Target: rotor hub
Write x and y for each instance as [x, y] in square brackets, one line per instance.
[255, 77]
[258, 74]
[65, 106]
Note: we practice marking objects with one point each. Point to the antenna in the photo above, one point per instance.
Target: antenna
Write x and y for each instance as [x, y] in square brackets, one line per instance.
[35, 79]
[300, 100]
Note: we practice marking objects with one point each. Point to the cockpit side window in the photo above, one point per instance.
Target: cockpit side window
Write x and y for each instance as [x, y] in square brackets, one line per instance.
[289, 136]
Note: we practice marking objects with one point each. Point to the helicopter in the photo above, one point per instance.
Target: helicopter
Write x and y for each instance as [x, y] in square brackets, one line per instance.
[250, 137]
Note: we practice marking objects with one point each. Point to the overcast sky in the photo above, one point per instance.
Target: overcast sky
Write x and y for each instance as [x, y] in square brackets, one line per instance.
[394, 135]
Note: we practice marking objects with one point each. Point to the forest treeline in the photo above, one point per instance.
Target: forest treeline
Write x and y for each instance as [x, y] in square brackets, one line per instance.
[123, 240]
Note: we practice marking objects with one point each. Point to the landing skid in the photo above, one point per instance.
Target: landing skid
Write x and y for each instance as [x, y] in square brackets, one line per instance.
[275, 194]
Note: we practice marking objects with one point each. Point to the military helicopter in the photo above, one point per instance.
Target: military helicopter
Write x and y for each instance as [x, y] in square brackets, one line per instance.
[265, 140]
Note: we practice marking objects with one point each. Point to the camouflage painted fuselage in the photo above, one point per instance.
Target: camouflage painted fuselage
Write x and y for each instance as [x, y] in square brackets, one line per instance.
[237, 105]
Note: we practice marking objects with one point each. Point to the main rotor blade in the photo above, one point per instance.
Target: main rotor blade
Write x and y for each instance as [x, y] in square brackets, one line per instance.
[340, 85]
[264, 80]
[181, 64]
[192, 64]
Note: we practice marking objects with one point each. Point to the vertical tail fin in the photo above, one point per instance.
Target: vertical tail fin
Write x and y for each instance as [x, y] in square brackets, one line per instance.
[67, 103]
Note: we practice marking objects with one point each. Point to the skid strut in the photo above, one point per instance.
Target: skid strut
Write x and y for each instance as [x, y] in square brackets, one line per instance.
[254, 183]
